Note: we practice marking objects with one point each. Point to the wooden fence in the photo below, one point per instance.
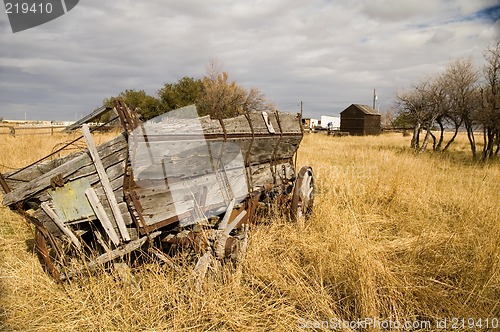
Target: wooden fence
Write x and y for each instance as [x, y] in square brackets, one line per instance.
[29, 130]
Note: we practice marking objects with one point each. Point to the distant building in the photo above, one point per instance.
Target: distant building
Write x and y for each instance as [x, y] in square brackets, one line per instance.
[38, 123]
[310, 123]
[360, 120]
[330, 122]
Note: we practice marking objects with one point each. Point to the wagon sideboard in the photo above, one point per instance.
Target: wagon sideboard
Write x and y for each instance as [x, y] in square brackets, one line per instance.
[166, 172]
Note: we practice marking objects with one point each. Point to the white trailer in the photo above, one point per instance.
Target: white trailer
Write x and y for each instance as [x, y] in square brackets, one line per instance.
[332, 122]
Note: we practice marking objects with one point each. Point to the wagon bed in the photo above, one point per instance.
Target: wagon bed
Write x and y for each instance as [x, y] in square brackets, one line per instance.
[159, 183]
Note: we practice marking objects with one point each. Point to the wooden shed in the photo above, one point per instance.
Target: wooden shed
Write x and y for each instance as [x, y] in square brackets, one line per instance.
[360, 120]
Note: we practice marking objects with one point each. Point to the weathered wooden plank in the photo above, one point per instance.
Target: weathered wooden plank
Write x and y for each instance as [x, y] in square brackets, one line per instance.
[102, 216]
[116, 181]
[43, 181]
[229, 210]
[268, 123]
[119, 252]
[195, 160]
[287, 147]
[51, 213]
[66, 170]
[156, 196]
[39, 169]
[211, 126]
[262, 150]
[34, 171]
[126, 214]
[170, 126]
[108, 161]
[235, 177]
[272, 119]
[112, 255]
[262, 174]
[121, 204]
[161, 202]
[160, 207]
[100, 193]
[178, 125]
[105, 182]
[114, 172]
[172, 160]
[237, 125]
[258, 124]
[289, 123]
[47, 222]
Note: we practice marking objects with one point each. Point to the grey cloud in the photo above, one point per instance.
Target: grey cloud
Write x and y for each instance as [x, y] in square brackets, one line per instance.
[441, 36]
[396, 10]
[325, 53]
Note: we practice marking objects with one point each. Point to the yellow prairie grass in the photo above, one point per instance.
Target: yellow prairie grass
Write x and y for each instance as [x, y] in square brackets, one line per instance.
[393, 236]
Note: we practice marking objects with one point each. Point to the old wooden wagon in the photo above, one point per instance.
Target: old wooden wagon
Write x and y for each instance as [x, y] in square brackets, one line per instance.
[174, 181]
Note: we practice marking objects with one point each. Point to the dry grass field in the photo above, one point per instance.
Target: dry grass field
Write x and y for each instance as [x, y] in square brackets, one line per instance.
[394, 236]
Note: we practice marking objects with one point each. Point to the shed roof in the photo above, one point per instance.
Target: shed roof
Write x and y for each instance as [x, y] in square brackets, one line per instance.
[364, 108]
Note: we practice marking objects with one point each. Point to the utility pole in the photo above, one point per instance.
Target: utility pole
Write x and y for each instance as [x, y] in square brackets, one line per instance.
[374, 99]
[301, 109]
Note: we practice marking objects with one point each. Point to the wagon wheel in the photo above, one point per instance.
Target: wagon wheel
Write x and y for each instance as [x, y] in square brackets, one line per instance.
[303, 194]
[47, 252]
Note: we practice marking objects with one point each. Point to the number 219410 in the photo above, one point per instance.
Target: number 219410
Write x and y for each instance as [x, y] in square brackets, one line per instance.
[471, 323]
[25, 8]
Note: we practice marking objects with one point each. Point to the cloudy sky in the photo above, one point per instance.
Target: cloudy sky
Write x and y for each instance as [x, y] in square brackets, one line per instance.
[325, 53]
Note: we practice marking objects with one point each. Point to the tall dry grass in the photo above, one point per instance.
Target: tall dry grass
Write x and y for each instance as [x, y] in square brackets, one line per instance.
[393, 236]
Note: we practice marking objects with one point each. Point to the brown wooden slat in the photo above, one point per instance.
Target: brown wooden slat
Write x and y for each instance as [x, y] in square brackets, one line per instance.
[68, 169]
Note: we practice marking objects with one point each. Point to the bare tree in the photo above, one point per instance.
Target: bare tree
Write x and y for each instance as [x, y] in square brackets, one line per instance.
[388, 118]
[461, 80]
[489, 115]
[446, 116]
[435, 99]
[410, 105]
[422, 105]
[222, 98]
[450, 98]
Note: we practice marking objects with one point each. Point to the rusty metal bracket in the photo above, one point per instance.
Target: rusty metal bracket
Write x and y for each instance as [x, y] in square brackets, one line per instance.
[299, 117]
[223, 129]
[279, 122]
[247, 155]
[57, 181]
[132, 201]
[252, 204]
[273, 154]
[128, 118]
[43, 253]
[4, 184]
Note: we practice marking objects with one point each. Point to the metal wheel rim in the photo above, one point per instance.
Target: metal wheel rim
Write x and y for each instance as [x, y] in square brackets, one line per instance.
[303, 194]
